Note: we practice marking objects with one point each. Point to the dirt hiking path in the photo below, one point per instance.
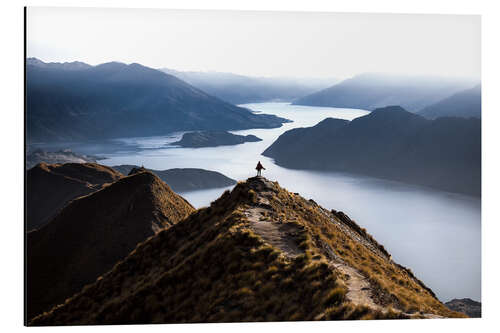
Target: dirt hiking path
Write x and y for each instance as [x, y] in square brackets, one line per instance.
[281, 236]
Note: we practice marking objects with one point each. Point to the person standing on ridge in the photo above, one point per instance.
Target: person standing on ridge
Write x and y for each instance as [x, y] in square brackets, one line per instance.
[259, 168]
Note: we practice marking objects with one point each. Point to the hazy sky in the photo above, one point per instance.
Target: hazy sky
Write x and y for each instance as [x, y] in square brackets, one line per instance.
[260, 43]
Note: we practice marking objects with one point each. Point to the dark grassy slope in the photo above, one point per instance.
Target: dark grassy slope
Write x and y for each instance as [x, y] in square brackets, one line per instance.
[213, 139]
[258, 253]
[49, 187]
[370, 91]
[119, 100]
[185, 179]
[390, 143]
[92, 233]
[465, 104]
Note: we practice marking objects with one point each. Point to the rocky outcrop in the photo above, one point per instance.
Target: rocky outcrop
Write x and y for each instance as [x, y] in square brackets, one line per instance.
[465, 305]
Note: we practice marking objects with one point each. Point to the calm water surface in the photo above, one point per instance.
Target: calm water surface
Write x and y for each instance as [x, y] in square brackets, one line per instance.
[436, 234]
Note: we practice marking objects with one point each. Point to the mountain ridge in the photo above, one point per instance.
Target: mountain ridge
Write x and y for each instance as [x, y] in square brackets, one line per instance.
[258, 253]
[241, 89]
[370, 91]
[91, 233]
[117, 100]
[50, 187]
[466, 103]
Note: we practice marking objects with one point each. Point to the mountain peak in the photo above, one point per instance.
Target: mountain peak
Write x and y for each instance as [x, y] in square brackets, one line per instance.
[258, 253]
[74, 65]
[93, 232]
[393, 112]
[146, 101]
[51, 186]
[390, 108]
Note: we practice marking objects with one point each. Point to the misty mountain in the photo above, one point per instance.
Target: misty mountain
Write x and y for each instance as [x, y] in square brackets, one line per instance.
[466, 103]
[370, 91]
[390, 143]
[240, 89]
[74, 65]
[118, 100]
[36, 156]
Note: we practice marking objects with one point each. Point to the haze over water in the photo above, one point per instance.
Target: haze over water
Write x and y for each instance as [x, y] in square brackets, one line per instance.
[436, 234]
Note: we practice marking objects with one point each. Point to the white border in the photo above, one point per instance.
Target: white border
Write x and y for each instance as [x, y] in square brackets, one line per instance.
[11, 177]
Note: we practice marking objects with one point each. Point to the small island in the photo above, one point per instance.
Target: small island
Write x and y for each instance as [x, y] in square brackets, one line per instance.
[213, 139]
[183, 179]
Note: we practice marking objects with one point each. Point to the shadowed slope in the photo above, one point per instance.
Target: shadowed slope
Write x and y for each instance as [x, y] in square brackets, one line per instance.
[117, 100]
[92, 233]
[465, 104]
[390, 143]
[51, 186]
[220, 265]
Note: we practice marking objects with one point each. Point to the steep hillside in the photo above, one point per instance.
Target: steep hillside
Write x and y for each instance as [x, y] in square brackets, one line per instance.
[258, 253]
[390, 143]
[118, 100]
[92, 233]
[465, 104]
[370, 91]
[49, 187]
[185, 179]
[240, 89]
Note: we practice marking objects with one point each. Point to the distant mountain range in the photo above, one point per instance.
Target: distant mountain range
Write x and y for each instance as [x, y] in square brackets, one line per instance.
[258, 253]
[76, 102]
[213, 139]
[466, 103]
[94, 232]
[370, 91]
[36, 156]
[185, 179]
[390, 143]
[240, 89]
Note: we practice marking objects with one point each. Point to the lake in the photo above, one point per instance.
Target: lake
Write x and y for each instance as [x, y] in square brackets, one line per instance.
[435, 233]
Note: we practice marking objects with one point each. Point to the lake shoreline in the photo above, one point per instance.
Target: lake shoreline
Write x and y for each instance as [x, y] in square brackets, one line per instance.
[423, 228]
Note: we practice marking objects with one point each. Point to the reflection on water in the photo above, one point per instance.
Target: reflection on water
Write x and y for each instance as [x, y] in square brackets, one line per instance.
[436, 234]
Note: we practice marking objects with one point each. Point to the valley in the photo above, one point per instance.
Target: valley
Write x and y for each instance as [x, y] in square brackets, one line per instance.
[423, 228]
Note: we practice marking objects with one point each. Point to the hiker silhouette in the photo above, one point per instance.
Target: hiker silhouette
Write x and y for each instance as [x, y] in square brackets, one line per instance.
[259, 168]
